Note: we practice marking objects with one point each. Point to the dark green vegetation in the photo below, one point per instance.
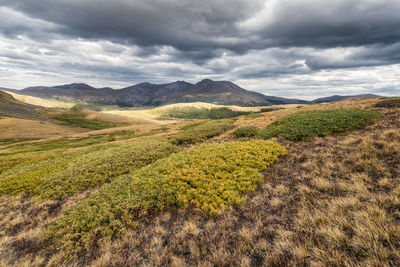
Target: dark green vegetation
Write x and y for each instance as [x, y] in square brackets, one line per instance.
[81, 121]
[246, 131]
[389, 103]
[209, 177]
[200, 113]
[308, 124]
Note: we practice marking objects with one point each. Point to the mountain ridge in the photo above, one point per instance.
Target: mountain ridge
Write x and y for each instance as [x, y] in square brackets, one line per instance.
[149, 94]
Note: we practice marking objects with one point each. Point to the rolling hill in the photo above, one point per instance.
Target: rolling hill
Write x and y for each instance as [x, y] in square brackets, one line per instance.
[336, 98]
[10, 107]
[148, 94]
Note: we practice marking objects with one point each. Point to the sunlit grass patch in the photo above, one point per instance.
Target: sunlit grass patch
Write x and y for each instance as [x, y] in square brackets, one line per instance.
[309, 124]
[210, 178]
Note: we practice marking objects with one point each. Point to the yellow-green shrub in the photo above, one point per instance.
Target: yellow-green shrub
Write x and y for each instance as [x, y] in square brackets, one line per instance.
[72, 172]
[210, 177]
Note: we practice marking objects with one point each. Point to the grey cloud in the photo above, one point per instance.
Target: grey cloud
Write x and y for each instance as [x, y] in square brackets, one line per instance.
[182, 24]
[129, 41]
[14, 23]
[375, 55]
[334, 23]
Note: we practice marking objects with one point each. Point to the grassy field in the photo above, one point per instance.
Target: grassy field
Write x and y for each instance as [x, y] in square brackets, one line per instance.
[211, 192]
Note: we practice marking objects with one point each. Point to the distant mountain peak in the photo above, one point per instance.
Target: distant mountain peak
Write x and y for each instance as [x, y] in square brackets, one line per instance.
[205, 81]
[75, 86]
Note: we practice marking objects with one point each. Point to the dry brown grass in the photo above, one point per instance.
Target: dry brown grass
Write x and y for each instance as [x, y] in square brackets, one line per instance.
[21, 128]
[333, 201]
[22, 227]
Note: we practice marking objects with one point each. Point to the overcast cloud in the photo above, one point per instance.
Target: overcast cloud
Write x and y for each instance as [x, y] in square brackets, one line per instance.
[290, 48]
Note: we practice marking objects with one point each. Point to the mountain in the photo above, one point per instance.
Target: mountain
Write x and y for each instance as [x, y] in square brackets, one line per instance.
[223, 93]
[336, 98]
[10, 107]
[148, 94]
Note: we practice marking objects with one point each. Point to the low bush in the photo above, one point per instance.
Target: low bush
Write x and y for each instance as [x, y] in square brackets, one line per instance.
[65, 173]
[210, 178]
[81, 121]
[309, 124]
[389, 103]
[199, 132]
[246, 131]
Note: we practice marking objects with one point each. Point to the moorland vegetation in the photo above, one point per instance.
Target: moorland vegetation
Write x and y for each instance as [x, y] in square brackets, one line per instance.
[324, 191]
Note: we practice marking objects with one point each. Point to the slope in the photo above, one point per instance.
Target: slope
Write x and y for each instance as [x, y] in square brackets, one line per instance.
[10, 107]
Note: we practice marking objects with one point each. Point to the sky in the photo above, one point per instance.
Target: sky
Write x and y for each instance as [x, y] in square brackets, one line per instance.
[293, 48]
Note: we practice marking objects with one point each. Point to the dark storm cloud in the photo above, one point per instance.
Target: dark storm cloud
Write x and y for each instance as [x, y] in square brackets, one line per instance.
[237, 25]
[182, 24]
[334, 23]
